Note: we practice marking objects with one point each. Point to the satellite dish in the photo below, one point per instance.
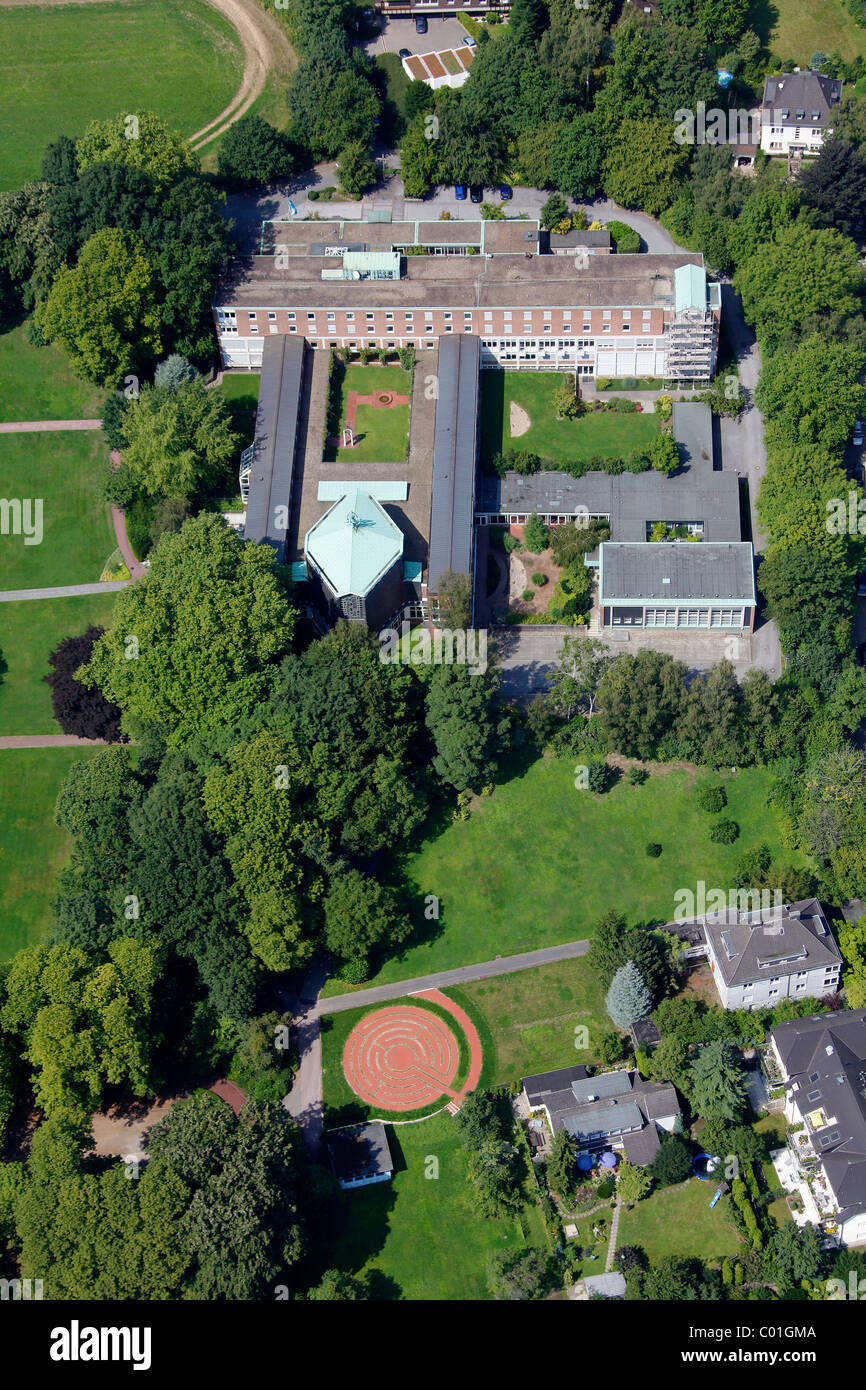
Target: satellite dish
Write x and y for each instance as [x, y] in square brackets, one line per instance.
[356, 274]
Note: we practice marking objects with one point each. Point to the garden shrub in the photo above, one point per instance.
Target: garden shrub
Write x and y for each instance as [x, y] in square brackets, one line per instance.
[712, 798]
[724, 832]
[653, 850]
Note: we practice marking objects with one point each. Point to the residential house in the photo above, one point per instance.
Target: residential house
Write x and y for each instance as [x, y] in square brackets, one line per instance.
[822, 1060]
[796, 112]
[616, 1110]
[762, 956]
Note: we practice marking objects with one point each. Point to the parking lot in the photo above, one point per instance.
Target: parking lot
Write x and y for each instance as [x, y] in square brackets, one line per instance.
[442, 32]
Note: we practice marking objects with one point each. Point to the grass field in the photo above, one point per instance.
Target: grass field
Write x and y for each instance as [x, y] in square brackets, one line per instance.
[64, 470]
[531, 1017]
[32, 847]
[604, 433]
[66, 65]
[539, 862]
[417, 1235]
[795, 29]
[678, 1221]
[382, 435]
[29, 632]
[39, 384]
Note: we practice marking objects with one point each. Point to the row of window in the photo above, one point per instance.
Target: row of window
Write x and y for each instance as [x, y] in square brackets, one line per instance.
[681, 617]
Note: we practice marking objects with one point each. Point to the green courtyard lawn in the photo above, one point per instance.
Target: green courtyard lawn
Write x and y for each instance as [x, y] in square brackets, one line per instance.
[66, 470]
[603, 433]
[531, 1017]
[66, 65]
[538, 862]
[29, 632]
[32, 847]
[382, 434]
[678, 1221]
[240, 390]
[38, 383]
[417, 1236]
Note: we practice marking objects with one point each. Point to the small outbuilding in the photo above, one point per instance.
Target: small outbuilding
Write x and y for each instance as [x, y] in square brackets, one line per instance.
[360, 1155]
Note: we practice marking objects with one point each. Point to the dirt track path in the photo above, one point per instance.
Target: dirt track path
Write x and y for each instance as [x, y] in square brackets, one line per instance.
[265, 47]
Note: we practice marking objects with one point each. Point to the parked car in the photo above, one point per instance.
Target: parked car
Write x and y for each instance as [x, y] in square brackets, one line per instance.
[858, 433]
[405, 53]
[420, 24]
[476, 193]
[459, 191]
[505, 192]
[861, 586]
[469, 42]
[860, 654]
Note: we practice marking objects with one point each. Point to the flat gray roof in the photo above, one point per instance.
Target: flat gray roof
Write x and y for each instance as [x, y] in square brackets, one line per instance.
[275, 438]
[676, 571]
[455, 454]
[460, 281]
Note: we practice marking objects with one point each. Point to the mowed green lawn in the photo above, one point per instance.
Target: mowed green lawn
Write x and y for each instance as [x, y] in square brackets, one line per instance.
[417, 1235]
[65, 470]
[532, 1018]
[66, 65]
[539, 862]
[795, 29]
[32, 847]
[38, 383]
[382, 434]
[29, 632]
[678, 1221]
[602, 433]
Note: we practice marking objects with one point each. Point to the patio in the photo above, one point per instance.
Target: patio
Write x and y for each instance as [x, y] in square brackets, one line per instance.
[791, 1177]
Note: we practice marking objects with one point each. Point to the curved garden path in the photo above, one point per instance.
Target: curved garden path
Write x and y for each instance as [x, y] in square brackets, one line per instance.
[265, 48]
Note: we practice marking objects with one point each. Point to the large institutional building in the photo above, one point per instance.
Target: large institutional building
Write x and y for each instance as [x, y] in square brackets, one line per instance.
[372, 541]
[393, 284]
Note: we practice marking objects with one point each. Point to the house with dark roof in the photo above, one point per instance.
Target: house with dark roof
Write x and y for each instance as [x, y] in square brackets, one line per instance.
[762, 956]
[822, 1060]
[796, 112]
[360, 1155]
[616, 1110]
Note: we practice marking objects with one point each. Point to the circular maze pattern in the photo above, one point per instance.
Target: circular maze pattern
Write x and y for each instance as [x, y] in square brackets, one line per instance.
[401, 1058]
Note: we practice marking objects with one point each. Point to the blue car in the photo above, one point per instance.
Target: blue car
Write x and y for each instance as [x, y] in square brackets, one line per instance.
[459, 191]
[505, 192]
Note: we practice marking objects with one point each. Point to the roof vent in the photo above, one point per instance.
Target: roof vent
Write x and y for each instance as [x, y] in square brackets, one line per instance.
[829, 1050]
[666, 580]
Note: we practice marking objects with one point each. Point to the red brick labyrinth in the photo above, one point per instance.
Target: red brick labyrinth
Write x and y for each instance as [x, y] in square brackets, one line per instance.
[404, 1058]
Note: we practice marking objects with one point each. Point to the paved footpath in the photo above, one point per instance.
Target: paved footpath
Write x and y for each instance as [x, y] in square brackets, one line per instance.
[69, 591]
[50, 741]
[35, 426]
[486, 970]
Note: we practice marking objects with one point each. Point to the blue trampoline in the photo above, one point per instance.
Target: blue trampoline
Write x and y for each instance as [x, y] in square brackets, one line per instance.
[704, 1165]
